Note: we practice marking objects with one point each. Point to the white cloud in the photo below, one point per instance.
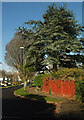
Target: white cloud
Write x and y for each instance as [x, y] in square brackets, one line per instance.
[7, 68]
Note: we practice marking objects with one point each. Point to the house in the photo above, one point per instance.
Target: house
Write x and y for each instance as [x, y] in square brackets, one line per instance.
[1, 80]
[4, 81]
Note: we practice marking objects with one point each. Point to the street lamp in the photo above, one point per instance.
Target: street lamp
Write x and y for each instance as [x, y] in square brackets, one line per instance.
[1, 72]
[23, 68]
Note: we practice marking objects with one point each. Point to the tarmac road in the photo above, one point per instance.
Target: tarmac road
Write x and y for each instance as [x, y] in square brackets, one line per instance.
[14, 108]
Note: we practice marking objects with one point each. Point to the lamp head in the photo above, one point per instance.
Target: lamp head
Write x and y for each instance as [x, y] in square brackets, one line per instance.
[21, 47]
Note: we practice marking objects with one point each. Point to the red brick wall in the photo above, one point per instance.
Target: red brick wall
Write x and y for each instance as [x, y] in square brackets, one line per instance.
[59, 87]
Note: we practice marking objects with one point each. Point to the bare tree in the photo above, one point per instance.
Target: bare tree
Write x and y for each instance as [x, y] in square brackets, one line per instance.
[14, 55]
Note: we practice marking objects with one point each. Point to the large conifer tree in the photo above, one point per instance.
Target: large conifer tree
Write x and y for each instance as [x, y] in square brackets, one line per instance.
[55, 39]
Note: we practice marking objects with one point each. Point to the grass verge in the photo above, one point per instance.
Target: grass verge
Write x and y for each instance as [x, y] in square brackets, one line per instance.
[21, 92]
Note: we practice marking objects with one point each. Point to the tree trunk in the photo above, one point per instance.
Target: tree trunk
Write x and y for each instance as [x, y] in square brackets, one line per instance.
[25, 83]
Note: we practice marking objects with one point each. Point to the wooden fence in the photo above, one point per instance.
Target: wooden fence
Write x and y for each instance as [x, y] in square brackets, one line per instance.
[59, 87]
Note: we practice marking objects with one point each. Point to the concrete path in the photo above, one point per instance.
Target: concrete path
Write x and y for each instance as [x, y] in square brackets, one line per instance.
[70, 110]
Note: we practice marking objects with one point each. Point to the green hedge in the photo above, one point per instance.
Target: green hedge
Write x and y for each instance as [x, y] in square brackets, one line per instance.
[65, 74]
[79, 87]
[38, 80]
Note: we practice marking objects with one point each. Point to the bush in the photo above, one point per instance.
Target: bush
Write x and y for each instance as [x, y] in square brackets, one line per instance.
[79, 87]
[38, 80]
[49, 90]
[65, 74]
[41, 89]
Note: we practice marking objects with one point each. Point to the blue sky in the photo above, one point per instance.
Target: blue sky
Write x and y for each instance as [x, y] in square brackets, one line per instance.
[14, 14]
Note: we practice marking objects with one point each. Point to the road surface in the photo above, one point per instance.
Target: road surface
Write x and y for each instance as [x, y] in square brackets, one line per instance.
[14, 108]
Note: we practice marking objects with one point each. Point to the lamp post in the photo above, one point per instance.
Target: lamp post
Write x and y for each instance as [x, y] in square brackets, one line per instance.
[22, 48]
[1, 72]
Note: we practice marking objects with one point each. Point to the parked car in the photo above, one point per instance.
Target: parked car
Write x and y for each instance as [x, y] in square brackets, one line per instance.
[3, 84]
[22, 83]
[9, 83]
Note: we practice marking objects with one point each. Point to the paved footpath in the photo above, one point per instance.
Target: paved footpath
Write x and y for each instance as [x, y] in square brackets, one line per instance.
[70, 110]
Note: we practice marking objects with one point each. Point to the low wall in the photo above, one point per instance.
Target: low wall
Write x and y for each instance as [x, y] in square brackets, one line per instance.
[59, 87]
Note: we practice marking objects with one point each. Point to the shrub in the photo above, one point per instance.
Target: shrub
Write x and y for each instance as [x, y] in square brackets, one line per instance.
[38, 80]
[66, 74]
[79, 87]
[49, 90]
[41, 89]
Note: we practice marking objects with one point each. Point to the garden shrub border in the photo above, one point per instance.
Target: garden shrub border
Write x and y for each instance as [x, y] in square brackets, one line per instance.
[75, 74]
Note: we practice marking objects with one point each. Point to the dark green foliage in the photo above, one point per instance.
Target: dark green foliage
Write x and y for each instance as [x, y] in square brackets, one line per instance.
[49, 90]
[41, 89]
[65, 74]
[38, 81]
[61, 30]
[79, 86]
[55, 38]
